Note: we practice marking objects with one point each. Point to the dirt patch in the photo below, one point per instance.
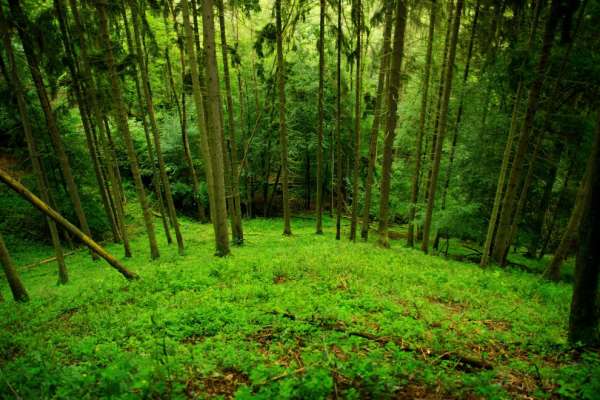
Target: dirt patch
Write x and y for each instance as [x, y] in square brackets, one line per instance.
[493, 325]
[193, 339]
[223, 384]
[279, 279]
[67, 314]
[453, 306]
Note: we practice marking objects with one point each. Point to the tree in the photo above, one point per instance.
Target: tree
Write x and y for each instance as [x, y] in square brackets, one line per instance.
[357, 114]
[12, 276]
[283, 139]
[319, 205]
[393, 95]
[121, 117]
[585, 316]
[338, 122]
[435, 168]
[414, 193]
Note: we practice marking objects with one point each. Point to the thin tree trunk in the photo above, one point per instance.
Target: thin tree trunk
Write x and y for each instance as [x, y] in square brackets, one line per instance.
[12, 276]
[502, 241]
[63, 276]
[154, 128]
[338, 123]
[59, 219]
[414, 193]
[319, 206]
[585, 317]
[121, 117]
[238, 232]
[215, 138]
[393, 95]
[357, 115]
[435, 168]
[21, 23]
[283, 139]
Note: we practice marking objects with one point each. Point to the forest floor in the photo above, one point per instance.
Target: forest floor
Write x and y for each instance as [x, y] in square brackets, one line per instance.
[288, 317]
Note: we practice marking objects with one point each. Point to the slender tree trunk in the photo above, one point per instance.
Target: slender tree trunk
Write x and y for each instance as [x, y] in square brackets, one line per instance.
[117, 196]
[357, 115]
[435, 168]
[319, 206]
[215, 138]
[12, 276]
[585, 317]
[154, 128]
[338, 123]
[393, 95]
[502, 241]
[283, 139]
[48, 211]
[21, 23]
[414, 193]
[121, 117]
[238, 232]
[63, 276]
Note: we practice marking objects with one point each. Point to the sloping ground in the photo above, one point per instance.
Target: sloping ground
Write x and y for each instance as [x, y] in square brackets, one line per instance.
[299, 317]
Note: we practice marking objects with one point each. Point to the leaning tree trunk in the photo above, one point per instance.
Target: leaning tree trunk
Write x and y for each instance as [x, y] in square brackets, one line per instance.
[502, 241]
[164, 178]
[319, 206]
[215, 138]
[283, 139]
[378, 114]
[414, 193]
[357, 114]
[32, 59]
[63, 276]
[393, 95]
[585, 317]
[435, 168]
[121, 116]
[59, 219]
[238, 231]
[90, 89]
[12, 276]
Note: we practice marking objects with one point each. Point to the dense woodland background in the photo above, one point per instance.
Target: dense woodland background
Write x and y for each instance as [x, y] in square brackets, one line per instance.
[441, 125]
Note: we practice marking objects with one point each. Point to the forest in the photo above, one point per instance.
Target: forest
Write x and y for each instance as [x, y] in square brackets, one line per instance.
[300, 199]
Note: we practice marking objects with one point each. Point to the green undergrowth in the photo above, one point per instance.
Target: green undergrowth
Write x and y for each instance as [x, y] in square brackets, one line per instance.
[288, 317]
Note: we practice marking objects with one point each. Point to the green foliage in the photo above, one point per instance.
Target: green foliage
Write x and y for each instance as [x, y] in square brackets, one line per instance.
[275, 320]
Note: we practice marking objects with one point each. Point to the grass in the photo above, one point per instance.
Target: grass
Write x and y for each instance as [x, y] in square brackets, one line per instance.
[288, 317]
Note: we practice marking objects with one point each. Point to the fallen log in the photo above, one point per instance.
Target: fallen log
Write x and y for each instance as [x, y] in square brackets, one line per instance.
[59, 219]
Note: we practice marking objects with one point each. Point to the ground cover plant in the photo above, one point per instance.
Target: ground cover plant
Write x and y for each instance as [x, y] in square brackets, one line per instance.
[290, 317]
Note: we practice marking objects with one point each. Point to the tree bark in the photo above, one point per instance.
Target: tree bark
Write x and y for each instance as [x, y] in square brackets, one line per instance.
[435, 168]
[12, 276]
[357, 115]
[283, 139]
[59, 219]
[584, 318]
[122, 122]
[319, 206]
[338, 123]
[414, 193]
[393, 95]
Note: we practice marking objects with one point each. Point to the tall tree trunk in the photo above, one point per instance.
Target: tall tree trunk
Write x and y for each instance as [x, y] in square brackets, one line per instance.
[122, 122]
[319, 206]
[63, 276]
[393, 95]
[12, 276]
[49, 212]
[414, 193]
[435, 168]
[21, 23]
[72, 65]
[283, 139]
[215, 138]
[338, 127]
[164, 178]
[584, 318]
[502, 241]
[357, 115]
[101, 125]
[238, 232]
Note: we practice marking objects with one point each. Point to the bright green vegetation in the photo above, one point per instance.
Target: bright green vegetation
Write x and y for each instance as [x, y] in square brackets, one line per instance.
[288, 317]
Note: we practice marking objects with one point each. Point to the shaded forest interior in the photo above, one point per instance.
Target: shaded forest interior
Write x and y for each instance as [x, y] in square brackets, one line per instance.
[301, 199]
